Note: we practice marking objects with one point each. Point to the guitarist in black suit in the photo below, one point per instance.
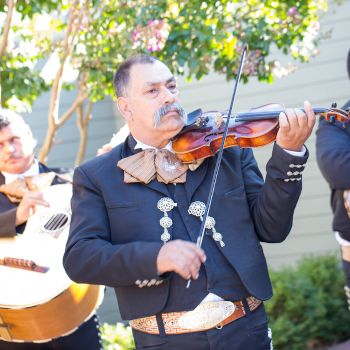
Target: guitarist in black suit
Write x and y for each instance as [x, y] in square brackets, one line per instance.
[16, 161]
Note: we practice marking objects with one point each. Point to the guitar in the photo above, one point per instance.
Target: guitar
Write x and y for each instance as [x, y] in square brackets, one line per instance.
[38, 301]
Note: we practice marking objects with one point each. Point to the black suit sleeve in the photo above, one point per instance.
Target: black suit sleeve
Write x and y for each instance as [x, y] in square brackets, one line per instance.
[90, 257]
[333, 154]
[8, 223]
[272, 205]
[333, 158]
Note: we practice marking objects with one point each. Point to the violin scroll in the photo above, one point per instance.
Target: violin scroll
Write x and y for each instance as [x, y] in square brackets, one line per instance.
[336, 114]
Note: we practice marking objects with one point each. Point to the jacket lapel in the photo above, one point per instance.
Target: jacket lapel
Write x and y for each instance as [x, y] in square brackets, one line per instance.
[158, 186]
[43, 168]
[195, 179]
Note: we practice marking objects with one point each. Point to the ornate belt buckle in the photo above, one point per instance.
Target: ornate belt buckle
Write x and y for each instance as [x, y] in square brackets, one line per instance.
[206, 315]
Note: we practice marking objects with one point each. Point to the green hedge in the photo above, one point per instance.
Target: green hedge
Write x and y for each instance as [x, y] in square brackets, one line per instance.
[309, 309]
[116, 337]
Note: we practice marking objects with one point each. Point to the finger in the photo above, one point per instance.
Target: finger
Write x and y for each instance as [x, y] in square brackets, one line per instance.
[36, 201]
[43, 203]
[196, 254]
[292, 118]
[188, 270]
[183, 270]
[283, 122]
[35, 194]
[191, 248]
[186, 263]
[311, 118]
[302, 119]
[36, 198]
[194, 267]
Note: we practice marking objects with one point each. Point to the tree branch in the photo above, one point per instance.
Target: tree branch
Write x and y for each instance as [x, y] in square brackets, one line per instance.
[77, 102]
[83, 121]
[66, 51]
[3, 45]
[54, 122]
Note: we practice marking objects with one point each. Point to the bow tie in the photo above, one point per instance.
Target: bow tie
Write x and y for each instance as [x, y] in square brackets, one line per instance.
[153, 163]
[16, 189]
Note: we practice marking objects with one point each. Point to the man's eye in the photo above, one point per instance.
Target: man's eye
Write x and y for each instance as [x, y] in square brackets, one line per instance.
[152, 91]
[172, 87]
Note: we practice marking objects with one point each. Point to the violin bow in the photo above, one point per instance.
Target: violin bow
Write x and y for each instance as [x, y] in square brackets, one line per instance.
[220, 152]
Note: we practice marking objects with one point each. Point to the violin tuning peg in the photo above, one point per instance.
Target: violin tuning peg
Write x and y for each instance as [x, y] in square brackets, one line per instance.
[345, 124]
[332, 119]
[201, 121]
[334, 105]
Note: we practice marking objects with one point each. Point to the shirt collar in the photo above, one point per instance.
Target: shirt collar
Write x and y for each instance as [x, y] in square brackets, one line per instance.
[32, 171]
[143, 146]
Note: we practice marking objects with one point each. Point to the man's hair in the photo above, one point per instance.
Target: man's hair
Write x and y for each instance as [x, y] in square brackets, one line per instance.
[122, 76]
[11, 118]
[8, 117]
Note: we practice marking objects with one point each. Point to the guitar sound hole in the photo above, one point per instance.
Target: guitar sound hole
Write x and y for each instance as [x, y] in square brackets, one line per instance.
[56, 222]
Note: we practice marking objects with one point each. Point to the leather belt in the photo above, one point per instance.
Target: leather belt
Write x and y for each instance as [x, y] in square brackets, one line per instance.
[171, 325]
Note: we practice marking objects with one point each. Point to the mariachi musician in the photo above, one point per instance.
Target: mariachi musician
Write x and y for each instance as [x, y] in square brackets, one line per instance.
[333, 157]
[17, 203]
[137, 210]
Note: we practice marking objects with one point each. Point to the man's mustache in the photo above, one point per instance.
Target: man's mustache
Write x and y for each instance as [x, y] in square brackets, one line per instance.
[166, 109]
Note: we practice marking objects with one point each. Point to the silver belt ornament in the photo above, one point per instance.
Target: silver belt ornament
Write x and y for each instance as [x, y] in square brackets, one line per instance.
[206, 315]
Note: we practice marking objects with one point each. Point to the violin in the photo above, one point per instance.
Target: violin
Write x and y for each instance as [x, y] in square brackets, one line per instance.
[201, 137]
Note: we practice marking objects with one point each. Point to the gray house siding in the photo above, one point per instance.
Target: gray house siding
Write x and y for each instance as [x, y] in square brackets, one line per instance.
[66, 143]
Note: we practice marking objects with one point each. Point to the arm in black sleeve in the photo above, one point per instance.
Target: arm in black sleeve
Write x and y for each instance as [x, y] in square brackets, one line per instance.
[272, 204]
[333, 154]
[90, 257]
[8, 223]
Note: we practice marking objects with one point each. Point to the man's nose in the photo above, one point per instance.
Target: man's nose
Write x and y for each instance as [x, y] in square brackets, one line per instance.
[9, 147]
[168, 97]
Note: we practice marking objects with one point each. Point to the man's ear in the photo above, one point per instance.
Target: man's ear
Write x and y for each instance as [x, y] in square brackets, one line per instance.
[123, 106]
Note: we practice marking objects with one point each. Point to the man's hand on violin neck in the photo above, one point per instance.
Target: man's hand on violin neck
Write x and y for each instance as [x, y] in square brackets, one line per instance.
[295, 127]
[182, 257]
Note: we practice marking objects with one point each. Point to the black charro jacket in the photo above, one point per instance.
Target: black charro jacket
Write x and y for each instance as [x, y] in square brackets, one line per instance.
[115, 232]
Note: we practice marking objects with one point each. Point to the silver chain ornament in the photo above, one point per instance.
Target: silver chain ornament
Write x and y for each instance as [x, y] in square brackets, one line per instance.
[197, 208]
[165, 205]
